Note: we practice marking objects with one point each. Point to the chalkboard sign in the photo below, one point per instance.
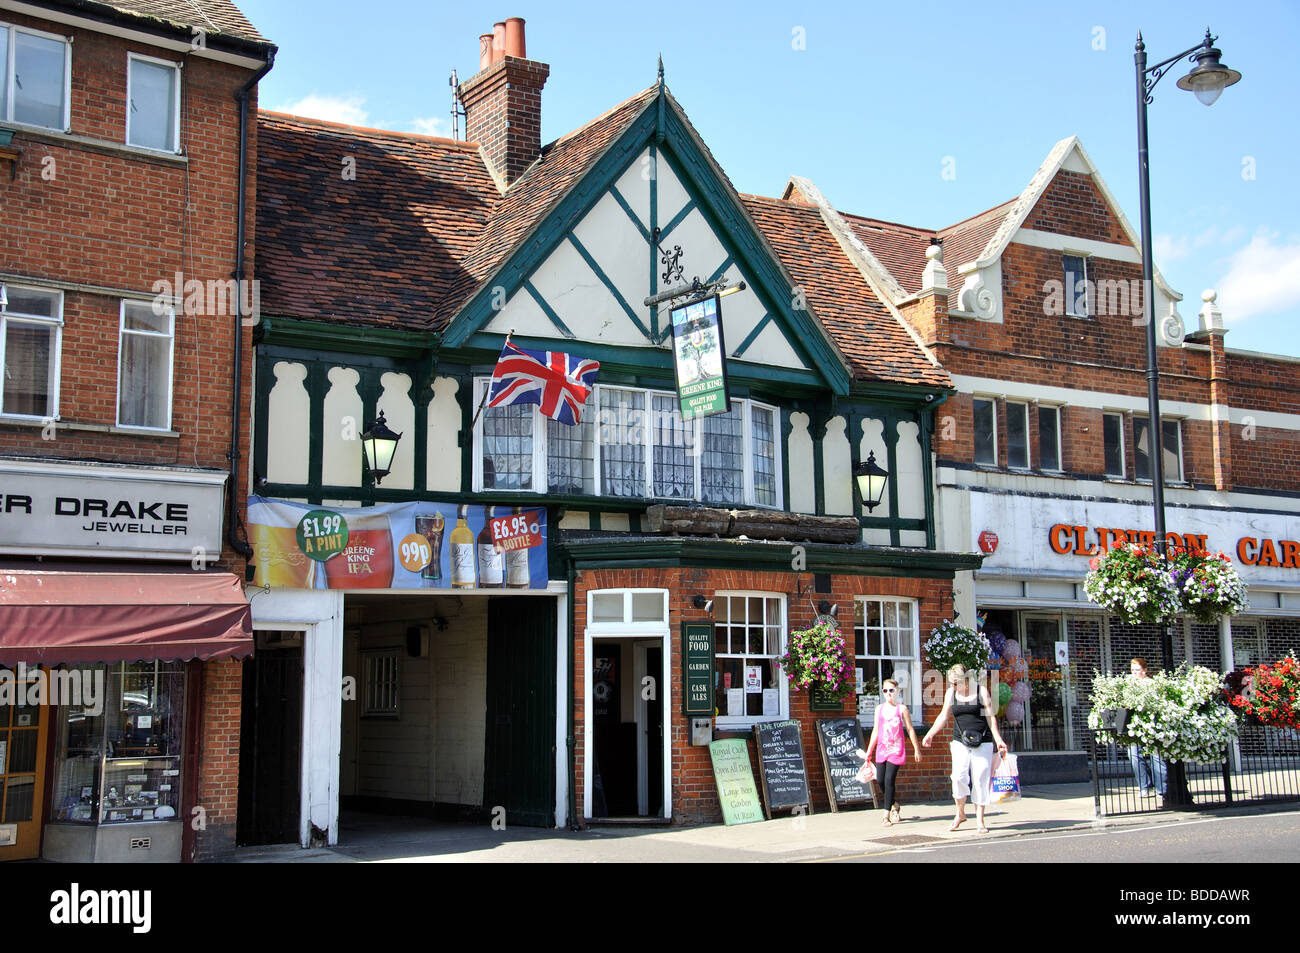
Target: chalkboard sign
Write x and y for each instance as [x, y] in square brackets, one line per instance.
[839, 739]
[697, 668]
[781, 768]
[735, 779]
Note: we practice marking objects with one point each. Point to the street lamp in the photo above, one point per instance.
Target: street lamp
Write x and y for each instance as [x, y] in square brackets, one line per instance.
[1207, 80]
[871, 481]
[379, 444]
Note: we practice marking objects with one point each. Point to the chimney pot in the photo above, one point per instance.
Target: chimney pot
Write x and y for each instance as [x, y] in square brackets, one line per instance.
[484, 51]
[498, 42]
[515, 43]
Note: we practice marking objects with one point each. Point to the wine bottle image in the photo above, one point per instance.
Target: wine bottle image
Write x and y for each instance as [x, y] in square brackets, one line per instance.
[491, 558]
[518, 575]
[462, 552]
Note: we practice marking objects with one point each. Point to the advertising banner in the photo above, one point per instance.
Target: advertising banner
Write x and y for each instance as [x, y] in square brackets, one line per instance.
[699, 357]
[419, 545]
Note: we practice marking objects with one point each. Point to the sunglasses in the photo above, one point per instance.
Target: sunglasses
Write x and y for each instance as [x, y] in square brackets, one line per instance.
[890, 691]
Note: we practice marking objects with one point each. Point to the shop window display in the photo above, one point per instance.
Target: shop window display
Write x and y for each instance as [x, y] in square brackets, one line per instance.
[120, 761]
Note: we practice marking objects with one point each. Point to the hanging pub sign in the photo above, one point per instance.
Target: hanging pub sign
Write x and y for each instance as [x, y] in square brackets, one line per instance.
[422, 545]
[699, 357]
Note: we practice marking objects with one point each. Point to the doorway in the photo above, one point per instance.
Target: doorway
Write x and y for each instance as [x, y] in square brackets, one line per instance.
[270, 743]
[1047, 710]
[24, 732]
[627, 715]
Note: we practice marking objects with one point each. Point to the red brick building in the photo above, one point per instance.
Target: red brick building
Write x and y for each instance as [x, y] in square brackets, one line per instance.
[124, 613]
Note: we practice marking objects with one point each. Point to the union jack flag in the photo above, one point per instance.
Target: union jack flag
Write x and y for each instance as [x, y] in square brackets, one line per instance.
[559, 383]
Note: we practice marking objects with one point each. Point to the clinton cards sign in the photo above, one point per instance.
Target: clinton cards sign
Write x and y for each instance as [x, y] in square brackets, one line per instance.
[104, 510]
[699, 357]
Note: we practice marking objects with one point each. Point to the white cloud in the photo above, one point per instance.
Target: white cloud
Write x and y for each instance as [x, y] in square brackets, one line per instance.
[345, 109]
[1168, 248]
[432, 126]
[1262, 278]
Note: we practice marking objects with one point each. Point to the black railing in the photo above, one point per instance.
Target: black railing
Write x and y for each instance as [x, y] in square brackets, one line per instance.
[1262, 765]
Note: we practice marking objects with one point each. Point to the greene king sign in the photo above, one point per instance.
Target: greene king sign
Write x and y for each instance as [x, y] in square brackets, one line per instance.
[131, 512]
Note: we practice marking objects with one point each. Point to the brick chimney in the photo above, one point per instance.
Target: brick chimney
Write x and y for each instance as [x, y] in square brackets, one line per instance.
[503, 101]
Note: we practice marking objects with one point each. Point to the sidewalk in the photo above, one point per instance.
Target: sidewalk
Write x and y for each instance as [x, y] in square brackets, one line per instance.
[372, 838]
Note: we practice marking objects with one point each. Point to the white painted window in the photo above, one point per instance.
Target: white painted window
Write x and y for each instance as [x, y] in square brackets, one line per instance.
[1017, 435]
[31, 326]
[887, 644]
[1112, 428]
[749, 636]
[1171, 445]
[986, 431]
[144, 366]
[1078, 300]
[381, 686]
[35, 77]
[632, 443]
[1049, 438]
[627, 612]
[153, 96]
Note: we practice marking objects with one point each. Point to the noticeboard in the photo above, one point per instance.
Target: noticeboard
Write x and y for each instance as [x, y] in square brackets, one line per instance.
[697, 668]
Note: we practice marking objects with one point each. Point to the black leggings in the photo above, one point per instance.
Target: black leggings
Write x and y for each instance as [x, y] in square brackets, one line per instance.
[885, 774]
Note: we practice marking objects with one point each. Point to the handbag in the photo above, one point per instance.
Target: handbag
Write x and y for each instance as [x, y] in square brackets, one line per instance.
[1006, 780]
[970, 737]
[866, 773]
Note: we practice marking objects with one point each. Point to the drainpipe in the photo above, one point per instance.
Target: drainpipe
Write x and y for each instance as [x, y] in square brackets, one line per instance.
[233, 537]
[572, 739]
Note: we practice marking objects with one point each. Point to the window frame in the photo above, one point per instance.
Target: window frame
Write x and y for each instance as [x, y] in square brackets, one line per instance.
[1060, 464]
[541, 448]
[56, 322]
[7, 106]
[993, 405]
[391, 681]
[656, 628]
[171, 363]
[1070, 293]
[176, 68]
[1029, 455]
[746, 722]
[1178, 428]
[1121, 417]
[914, 700]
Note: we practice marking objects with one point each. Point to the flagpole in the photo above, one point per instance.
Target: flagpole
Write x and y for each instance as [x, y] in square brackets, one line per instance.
[487, 390]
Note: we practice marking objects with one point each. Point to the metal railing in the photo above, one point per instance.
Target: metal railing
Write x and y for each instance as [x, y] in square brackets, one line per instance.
[1262, 765]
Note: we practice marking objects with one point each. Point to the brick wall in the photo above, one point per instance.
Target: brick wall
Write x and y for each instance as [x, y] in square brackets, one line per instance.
[218, 792]
[694, 792]
[503, 113]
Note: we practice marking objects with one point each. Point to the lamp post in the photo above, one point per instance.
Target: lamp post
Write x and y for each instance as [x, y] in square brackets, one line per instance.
[1207, 80]
[871, 481]
[379, 444]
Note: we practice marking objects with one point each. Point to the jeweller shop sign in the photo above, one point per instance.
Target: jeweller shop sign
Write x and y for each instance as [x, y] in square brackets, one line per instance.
[104, 510]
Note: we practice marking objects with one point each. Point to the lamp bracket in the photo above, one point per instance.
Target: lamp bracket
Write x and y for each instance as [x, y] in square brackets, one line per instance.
[1155, 73]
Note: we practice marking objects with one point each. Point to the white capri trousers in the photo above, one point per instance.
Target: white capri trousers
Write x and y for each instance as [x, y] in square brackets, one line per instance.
[976, 763]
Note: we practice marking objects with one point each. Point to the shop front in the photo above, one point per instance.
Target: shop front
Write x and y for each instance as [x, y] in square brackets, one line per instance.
[1037, 552]
[409, 660]
[102, 663]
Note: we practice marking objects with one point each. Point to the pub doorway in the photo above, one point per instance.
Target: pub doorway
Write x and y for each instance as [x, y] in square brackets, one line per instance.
[627, 708]
[24, 732]
[270, 744]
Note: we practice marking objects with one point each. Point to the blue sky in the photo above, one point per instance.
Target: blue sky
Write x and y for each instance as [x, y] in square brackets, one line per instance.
[873, 102]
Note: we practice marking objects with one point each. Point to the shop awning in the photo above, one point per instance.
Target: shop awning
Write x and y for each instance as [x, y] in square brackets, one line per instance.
[71, 617]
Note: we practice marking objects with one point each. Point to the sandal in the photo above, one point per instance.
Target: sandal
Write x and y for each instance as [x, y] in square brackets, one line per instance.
[887, 822]
[895, 814]
[957, 823]
[983, 830]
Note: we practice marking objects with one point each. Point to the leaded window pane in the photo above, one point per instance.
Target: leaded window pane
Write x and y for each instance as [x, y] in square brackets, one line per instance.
[722, 470]
[674, 464]
[622, 451]
[508, 447]
[570, 457]
[763, 433]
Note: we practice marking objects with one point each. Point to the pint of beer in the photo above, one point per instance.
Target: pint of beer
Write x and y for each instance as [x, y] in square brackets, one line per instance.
[273, 531]
[367, 562]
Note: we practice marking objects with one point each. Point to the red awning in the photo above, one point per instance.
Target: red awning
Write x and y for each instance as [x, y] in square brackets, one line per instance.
[71, 617]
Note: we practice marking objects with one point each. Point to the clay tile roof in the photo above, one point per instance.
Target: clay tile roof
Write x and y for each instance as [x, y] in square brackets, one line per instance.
[901, 248]
[211, 16]
[875, 342]
[381, 248]
[532, 196]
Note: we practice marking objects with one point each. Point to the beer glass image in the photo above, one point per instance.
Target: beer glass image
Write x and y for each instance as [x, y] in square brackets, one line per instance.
[276, 554]
[430, 526]
[367, 563]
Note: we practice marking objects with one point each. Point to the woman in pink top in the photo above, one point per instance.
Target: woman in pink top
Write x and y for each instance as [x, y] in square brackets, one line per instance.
[886, 741]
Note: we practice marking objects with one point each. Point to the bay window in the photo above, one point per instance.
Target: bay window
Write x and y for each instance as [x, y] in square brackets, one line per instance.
[632, 443]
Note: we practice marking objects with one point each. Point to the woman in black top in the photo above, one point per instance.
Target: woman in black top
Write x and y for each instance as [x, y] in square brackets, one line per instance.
[967, 701]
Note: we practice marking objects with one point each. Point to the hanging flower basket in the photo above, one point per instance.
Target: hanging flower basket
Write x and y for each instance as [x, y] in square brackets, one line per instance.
[951, 644]
[1208, 585]
[1272, 695]
[1134, 583]
[1178, 715]
[819, 656]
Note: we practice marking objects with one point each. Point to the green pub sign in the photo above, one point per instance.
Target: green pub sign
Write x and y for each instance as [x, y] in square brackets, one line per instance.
[697, 661]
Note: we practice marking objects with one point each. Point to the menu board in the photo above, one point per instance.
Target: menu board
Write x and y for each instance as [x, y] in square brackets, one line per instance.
[418, 545]
[781, 768]
[838, 740]
[735, 779]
